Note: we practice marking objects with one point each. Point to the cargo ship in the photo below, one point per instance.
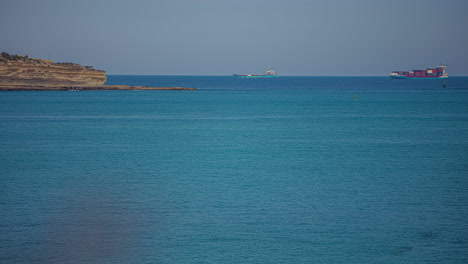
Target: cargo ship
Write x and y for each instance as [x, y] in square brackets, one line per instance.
[269, 74]
[430, 73]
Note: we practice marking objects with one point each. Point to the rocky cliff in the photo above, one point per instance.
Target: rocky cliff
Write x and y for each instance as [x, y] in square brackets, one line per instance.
[23, 71]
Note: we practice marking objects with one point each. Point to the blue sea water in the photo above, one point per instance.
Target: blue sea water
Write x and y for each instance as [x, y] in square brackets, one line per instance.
[283, 170]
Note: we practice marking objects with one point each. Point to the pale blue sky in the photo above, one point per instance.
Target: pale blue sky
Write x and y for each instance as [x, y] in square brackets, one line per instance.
[220, 37]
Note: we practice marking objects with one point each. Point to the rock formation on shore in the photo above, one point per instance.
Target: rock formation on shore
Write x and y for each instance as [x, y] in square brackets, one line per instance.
[24, 71]
[28, 74]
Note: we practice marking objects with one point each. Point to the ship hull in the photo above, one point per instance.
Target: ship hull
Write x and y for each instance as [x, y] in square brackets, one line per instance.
[418, 78]
[269, 74]
[437, 72]
[255, 76]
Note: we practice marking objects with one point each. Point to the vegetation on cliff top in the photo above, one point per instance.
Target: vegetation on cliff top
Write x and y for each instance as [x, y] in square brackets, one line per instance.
[8, 57]
[4, 57]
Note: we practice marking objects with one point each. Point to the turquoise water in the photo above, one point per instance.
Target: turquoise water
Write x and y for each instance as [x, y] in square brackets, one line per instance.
[281, 170]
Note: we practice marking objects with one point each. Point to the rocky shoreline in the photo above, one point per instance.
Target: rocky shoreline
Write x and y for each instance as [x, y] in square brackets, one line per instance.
[91, 88]
[21, 73]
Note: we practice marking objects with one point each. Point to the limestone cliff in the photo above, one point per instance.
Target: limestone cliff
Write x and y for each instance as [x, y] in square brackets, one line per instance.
[21, 73]
[24, 71]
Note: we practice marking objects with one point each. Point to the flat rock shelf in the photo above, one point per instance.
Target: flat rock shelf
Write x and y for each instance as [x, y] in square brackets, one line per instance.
[89, 88]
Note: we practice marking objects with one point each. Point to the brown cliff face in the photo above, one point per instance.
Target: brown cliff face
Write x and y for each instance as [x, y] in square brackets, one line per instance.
[39, 72]
[21, 73]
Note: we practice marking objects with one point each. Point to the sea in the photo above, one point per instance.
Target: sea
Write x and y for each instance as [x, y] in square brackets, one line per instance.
[277, 170]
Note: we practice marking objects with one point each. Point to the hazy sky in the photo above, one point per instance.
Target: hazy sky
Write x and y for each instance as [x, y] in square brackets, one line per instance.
[221, 37]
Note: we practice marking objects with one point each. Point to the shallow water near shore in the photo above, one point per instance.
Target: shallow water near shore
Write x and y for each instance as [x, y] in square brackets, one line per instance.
[281, 170]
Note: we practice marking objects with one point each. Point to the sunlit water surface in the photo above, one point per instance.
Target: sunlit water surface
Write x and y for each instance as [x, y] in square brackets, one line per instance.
[284, 170]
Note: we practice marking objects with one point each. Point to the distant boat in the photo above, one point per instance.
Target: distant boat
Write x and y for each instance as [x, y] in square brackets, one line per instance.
[268, 74]
[430, 73]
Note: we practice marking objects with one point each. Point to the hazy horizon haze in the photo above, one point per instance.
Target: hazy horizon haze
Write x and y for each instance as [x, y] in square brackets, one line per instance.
[208, 37]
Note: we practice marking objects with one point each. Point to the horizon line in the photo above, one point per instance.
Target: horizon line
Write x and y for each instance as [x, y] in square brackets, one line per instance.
[223, 75]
